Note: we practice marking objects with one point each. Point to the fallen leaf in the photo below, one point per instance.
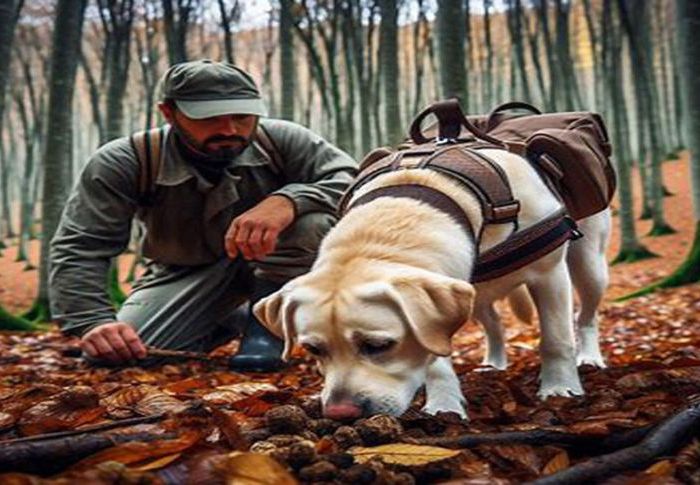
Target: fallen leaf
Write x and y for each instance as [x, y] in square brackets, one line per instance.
[559, 462]
[403, 454]
[244, 468]
[69, 409]
[157, 463]
[236, 392]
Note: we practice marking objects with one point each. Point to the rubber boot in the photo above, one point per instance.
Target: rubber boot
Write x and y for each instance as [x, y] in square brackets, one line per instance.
[260, 351]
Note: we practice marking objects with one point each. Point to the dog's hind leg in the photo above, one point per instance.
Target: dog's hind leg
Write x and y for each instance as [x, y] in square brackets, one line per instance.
[442, 390]
[589, 273]
[552, 294]
[495, 355]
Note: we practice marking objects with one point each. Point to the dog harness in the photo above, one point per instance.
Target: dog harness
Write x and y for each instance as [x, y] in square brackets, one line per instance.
[465, 163]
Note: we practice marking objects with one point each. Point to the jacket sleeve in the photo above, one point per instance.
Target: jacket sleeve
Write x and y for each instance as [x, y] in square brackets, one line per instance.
[317, 172]
[94, 227]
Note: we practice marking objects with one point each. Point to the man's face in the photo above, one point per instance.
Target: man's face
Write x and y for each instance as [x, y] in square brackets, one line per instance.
[219, 137]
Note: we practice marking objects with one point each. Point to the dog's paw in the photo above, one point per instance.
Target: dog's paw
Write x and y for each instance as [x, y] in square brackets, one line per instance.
[594, 360]
[565, 390]
[446, 407]
[493, 363]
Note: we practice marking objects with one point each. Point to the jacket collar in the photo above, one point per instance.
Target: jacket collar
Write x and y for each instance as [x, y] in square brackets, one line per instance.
[175, 170]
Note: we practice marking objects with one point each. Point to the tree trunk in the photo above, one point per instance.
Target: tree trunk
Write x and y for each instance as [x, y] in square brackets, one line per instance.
[118, 29]
[176, 21]
[488, 69]
[555, 78]
[630, 247]
[287, 66]
[9, 14]
[228, 16]
[388, 40]
[450, 36]
[636, 32]
[566, 62]
[515, 20]
[64, 63]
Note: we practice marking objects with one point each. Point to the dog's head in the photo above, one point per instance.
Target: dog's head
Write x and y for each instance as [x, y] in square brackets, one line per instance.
[373, 340]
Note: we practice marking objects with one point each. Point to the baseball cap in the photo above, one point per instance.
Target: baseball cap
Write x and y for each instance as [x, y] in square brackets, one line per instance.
[204, 88]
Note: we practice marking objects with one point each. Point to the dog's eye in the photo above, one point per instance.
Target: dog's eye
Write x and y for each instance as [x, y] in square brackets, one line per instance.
[374, 347]
[315, 350]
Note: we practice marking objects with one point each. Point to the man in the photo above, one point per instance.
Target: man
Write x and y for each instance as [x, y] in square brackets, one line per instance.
[225, 224]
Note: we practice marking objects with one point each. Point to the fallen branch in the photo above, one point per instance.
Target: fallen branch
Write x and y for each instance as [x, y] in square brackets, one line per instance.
[53, 455]
[664, 440]
[86, 429]
[541, 437]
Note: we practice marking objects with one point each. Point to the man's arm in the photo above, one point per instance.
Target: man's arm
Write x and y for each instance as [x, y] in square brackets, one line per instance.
[95, 226]
[317, 172]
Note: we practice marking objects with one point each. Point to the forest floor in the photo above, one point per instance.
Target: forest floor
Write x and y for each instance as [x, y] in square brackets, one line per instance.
[213, 416]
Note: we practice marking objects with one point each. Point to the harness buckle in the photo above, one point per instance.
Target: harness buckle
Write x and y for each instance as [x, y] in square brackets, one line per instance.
[445, 141]
[575, 233]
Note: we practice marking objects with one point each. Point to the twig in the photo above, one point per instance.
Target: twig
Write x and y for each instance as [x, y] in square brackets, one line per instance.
[541, 437]
[87, 429]
[665, 440]
[53, 455]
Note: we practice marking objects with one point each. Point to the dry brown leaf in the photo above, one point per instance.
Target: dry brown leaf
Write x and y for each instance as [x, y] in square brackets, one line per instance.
[661, 468]
[159, 402]
[138, 451]
[559, 462]
[121, 404]
[403, 454]
[244, 468]
[522, 454]
[236, 392]
[157, 463]
[69, 409]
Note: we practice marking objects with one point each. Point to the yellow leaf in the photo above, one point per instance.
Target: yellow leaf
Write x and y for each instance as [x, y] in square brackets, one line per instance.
[558, 463]
[403, 454]
[158, 463]
[254, 469]
[661, 468]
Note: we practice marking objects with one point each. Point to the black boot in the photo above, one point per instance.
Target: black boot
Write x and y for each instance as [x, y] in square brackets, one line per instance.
[260, 351]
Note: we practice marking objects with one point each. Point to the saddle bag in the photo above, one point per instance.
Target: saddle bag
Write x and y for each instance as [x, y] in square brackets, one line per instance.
[570, 150]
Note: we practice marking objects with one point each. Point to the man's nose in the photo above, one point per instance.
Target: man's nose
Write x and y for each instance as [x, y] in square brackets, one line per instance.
[227, 125]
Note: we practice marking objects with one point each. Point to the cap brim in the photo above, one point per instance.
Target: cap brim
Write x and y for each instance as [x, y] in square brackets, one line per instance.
[218, 107]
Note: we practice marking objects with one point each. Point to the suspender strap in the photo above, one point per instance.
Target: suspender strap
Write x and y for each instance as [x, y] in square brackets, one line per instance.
[148, 146]
[430, 196]
[524, 247]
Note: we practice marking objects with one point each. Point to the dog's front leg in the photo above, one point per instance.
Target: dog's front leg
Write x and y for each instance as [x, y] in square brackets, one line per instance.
[442, 390]
[551, 292]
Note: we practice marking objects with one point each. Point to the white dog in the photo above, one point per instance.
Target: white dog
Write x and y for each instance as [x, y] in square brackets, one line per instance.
[389, 289]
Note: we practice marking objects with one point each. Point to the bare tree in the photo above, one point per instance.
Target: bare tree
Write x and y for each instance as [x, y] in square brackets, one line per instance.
[287, 67]
[229, 13]
[450, 22]
[57, 177]
[389, 49]
[9, 14]
[177, 17]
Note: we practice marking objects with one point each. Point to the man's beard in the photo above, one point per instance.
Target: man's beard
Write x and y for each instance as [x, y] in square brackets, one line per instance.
[205, 151]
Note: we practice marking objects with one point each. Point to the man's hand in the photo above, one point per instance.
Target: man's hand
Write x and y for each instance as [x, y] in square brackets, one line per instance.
[114, 342]
[254, 233]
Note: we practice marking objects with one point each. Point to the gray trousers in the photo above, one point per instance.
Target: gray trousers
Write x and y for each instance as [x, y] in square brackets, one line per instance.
[199, 308]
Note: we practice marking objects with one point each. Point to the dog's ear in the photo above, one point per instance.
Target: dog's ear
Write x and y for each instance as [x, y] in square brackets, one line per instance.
[276, 313]
[434, 307]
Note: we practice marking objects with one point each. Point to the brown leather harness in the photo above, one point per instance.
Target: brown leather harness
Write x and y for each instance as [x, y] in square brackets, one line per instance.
[463, 161]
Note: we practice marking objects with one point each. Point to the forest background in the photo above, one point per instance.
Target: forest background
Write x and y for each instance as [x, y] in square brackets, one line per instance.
[78, 73]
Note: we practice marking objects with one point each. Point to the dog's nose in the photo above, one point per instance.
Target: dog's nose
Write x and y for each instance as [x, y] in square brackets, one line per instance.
[342, 410]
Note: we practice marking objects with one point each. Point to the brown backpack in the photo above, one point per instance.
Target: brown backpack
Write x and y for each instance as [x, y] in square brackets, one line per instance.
[148, 145]
[571, 150]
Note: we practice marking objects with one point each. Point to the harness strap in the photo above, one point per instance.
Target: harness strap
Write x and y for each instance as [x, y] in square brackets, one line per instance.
[524, 247]
[430, 196]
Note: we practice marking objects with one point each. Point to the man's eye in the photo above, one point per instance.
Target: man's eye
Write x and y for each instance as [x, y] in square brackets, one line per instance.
[314, 350]
[376, 347]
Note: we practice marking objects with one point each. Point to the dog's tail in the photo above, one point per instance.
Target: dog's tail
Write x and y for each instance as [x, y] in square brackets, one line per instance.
[522, 305]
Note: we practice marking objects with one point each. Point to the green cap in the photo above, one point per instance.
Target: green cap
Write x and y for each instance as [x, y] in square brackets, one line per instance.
[202, 89]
